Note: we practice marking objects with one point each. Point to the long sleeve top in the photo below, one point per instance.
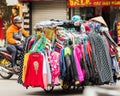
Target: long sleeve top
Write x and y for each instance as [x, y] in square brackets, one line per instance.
[10, 32]
[78, 54]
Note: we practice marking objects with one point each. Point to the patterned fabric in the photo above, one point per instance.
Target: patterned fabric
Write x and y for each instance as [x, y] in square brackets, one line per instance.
[55, 67]
[22, 59]
[102, 57]
[39, 45]
[108, 61]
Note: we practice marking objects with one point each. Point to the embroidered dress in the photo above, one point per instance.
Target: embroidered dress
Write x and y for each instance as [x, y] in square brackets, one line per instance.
[34, 72]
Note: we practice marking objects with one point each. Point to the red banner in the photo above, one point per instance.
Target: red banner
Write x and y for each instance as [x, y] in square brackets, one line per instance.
[78, 3]
[118, 32]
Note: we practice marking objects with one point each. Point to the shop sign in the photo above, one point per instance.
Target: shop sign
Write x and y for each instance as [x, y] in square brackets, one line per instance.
[75, 3]
[118, 32]
[33, 0]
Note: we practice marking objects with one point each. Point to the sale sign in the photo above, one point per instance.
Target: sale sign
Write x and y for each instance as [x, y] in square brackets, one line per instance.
[118, 32]
[76, 3]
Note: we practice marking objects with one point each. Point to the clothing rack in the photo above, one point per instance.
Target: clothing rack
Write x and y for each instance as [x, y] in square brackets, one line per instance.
[91, 65]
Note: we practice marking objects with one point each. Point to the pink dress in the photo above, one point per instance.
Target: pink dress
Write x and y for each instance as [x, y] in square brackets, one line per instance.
[55, 67]
[78, 55]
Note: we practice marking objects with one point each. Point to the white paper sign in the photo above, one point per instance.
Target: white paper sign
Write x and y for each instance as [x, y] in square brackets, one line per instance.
[11, 2]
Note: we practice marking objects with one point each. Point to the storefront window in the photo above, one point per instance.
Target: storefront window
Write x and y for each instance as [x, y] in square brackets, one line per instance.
[109, 13]
[114, 16]
[85, 12]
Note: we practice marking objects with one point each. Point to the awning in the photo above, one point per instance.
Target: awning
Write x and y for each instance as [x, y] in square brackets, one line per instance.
[81, 3]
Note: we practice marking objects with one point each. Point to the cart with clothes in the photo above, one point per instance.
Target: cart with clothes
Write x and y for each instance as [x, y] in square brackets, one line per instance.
[69, 53]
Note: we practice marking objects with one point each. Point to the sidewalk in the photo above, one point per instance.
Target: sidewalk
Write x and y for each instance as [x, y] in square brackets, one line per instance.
[103, 90]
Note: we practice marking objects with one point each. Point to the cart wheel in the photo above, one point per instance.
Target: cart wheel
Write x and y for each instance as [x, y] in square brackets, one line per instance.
[66, 87]
[80, 88]
[49, 89]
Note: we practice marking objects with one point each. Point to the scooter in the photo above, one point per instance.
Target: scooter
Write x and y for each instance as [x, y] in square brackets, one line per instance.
[6, 70]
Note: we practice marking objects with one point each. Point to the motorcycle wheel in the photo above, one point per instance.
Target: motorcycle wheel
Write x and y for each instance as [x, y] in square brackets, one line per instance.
[5, 64]
[6, 75]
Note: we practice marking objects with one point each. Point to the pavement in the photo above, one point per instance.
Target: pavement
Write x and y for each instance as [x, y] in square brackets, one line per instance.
[12, 88]
[103, 90]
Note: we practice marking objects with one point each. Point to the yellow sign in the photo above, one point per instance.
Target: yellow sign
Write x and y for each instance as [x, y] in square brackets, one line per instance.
[118, 31]
[75, 3]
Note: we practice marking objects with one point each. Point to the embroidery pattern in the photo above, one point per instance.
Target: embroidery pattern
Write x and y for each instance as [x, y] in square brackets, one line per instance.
[36, 65]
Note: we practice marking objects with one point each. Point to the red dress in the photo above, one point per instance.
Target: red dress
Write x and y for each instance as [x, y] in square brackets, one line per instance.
[34, 72]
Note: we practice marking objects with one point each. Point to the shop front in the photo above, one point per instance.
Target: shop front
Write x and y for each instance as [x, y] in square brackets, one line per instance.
[41, 10]
[87, 9]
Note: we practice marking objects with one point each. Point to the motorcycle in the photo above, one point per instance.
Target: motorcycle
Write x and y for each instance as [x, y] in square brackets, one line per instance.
[6, 69]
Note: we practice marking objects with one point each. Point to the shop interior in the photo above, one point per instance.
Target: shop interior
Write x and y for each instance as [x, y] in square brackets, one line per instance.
[109, 13]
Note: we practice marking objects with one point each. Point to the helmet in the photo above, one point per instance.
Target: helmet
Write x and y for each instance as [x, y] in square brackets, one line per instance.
[76, 18]
[17, 19]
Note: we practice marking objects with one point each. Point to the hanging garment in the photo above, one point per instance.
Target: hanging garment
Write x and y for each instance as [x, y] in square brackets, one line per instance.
[48, 68]
[62, 65]
[58, 47]
[68, 64]
[49, 33]
[84, 65]
[115, 65]
[90, 60]
[109, 62]
[34, 72]
[39, 45]
[2, 37]
[89, 66]
[31, 42]
[55, 67]
[27, 41]
[109, 38]
[26, 56]
[73, 65]
[97, 79]
[78, 55]
[22, 58]
[102, 57]
[47, 78]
